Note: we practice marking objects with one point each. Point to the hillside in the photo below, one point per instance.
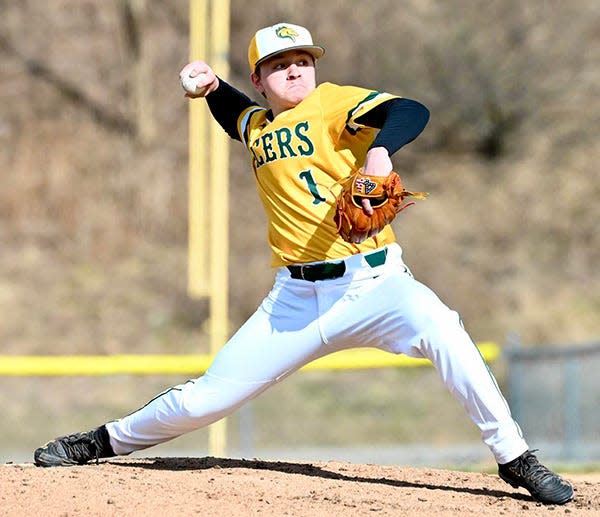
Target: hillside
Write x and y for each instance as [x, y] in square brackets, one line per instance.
[93, 207]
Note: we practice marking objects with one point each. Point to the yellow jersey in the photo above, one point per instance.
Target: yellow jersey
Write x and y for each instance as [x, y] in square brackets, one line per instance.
[299, 159]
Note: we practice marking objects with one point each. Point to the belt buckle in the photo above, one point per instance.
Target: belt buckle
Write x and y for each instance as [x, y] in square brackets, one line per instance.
[302, 272]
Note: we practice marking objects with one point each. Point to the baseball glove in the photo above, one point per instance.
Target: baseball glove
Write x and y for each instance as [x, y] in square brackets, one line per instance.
[385, 193]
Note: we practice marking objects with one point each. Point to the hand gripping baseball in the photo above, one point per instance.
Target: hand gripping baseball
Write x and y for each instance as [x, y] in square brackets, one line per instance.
[198, 79]
[385, 194]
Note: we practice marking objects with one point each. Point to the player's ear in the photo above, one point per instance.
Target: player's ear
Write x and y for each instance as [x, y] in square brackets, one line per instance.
[257, 83]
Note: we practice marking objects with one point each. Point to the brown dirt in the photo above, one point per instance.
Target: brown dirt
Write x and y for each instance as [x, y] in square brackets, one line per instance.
[231, 487]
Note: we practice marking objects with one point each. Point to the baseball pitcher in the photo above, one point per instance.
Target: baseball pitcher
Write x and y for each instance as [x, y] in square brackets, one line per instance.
[320, 155]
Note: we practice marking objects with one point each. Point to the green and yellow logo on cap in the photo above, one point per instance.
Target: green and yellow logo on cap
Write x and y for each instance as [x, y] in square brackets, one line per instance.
[286, 32]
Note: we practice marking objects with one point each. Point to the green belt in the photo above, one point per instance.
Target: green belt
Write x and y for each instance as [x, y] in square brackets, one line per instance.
[331, 270]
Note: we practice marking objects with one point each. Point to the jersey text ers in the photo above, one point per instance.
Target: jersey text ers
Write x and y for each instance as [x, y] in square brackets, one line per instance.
[282, 143]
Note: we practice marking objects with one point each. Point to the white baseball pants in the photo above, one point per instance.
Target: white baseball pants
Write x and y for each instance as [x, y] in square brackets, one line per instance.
[299, 321]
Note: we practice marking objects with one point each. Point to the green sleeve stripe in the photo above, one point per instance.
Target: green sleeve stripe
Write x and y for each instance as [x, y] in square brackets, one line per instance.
[368, 98]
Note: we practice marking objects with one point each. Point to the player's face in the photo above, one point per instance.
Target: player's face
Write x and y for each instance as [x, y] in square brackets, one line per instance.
[286, 79]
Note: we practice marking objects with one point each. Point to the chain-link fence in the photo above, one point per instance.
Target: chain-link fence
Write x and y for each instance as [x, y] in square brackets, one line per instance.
[554, 393]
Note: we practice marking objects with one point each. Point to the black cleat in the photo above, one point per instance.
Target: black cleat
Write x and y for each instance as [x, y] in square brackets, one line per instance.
[543, 484]
[74, 449]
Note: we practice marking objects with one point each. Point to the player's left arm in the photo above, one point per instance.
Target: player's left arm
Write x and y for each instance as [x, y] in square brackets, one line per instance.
[400, 122]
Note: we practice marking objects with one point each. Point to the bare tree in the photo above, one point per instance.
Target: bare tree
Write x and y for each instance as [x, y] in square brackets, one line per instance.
[134, 16]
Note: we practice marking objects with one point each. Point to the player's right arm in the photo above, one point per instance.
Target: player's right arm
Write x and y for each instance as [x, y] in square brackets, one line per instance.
[225, 102]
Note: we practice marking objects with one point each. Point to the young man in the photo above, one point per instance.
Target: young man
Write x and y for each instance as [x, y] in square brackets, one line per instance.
[328, 294]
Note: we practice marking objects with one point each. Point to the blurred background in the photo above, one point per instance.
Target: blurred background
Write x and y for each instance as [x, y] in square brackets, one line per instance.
[93, 216]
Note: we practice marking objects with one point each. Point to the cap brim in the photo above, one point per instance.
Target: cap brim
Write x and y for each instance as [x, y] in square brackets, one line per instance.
[315, 51]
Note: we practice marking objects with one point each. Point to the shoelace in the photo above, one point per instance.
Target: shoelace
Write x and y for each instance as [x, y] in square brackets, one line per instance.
[529, 467]
[83, 446]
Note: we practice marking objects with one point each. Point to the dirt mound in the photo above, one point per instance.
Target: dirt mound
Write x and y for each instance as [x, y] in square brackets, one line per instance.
[230, 487]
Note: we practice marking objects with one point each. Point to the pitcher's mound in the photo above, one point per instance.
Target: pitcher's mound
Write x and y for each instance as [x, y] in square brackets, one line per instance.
[231, 487]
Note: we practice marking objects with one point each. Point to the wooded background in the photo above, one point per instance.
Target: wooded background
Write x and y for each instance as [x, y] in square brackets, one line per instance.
[93, 157]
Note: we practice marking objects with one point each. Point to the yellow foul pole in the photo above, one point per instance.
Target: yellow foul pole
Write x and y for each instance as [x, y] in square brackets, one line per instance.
[209, 164]
[198, 276]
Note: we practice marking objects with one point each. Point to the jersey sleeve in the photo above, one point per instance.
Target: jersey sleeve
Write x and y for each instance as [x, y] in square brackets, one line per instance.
[344, 105]
[247, 120]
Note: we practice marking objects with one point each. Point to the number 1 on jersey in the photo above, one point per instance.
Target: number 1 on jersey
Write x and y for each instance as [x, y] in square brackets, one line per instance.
[312, 186]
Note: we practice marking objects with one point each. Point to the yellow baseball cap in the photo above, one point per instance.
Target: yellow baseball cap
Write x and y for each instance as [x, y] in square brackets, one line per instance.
[278, 38]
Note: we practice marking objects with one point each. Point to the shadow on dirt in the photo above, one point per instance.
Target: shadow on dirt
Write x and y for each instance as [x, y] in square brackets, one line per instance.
[303, 469]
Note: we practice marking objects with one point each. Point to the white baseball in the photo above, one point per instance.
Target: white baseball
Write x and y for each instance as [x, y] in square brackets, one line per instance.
[190, 84]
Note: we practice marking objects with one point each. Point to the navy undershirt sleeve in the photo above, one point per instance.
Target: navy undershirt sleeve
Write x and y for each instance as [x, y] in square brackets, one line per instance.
[400, 121]
[226, 104]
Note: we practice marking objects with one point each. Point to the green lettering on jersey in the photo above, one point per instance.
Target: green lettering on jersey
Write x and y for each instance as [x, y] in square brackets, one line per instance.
[282, 143]
[309, 149]
[312, 186]
[258, 160]
[268, 147]
[284, 137]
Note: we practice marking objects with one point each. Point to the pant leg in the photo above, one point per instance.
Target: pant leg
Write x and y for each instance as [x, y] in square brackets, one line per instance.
[426, 327]
[278, 339]
[468, 378]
